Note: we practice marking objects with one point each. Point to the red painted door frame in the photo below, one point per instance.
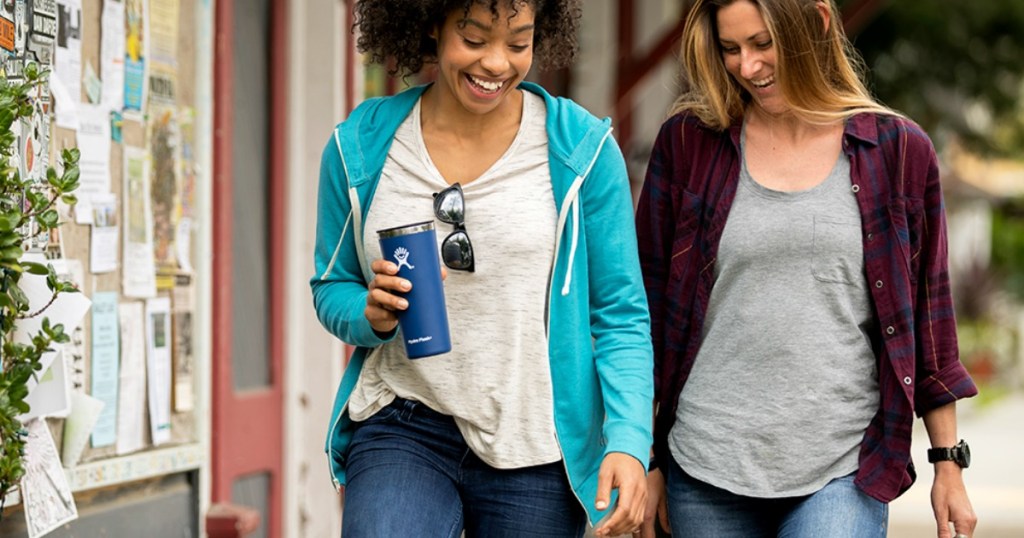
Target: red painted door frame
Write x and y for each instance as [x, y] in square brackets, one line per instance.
[247, 434]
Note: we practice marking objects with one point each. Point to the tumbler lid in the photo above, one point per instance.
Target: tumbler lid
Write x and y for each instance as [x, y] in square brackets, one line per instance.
[406, 229]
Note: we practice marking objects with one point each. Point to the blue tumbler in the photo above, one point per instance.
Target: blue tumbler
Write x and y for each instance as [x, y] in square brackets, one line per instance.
[424, 325]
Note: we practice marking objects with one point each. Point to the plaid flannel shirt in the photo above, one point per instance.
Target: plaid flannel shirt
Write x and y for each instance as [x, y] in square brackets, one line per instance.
[690, 186]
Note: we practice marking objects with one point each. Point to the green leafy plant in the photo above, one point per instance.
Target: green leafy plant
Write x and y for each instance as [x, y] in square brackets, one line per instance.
[27, 207]
[1008, 244]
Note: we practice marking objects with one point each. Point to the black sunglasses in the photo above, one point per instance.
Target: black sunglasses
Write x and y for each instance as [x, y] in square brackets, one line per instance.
[456, 249]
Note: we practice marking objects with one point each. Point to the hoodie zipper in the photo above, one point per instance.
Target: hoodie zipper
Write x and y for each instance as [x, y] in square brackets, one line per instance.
[573, 196]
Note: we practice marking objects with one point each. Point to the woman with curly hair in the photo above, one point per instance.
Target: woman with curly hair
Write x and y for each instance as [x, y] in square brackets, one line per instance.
[538, 420]
[793, 245]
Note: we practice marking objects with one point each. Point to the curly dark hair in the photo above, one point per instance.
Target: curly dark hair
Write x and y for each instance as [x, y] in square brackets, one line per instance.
[399, 30]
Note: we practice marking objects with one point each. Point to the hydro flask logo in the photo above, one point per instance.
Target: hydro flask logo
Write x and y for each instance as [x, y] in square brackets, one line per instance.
[402, 257]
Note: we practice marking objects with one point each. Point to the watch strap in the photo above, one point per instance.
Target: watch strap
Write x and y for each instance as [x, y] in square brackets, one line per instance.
[959, 454]
[941, 454]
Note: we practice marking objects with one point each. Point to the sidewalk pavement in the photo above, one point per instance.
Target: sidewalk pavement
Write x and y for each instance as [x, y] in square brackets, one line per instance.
[995, 479]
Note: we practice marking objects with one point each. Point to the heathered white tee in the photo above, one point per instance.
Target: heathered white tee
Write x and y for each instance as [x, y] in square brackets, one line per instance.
[496, 381]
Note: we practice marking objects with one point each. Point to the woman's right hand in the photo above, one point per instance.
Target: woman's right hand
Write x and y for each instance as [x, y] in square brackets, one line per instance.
[382, 304]
[657, 505]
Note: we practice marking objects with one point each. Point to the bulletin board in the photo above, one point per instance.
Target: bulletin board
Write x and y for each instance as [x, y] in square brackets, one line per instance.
[123, 92]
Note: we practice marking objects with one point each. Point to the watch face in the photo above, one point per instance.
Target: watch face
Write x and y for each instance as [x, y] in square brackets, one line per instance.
[964, 453]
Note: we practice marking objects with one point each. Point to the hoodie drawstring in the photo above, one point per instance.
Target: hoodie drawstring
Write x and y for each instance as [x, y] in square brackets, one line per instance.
[574, 207]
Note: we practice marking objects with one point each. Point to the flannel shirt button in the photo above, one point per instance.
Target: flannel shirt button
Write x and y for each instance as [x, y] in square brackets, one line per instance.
[871, 236]
[878, 284]
[890, 329]
[907, 380]
[855, 189]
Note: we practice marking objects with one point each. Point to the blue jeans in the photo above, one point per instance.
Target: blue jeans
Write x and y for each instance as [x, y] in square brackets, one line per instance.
[838, 510]
[410, 473]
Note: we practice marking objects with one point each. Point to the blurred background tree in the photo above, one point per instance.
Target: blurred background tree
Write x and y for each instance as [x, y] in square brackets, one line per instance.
[1008, 244]
[954, 66]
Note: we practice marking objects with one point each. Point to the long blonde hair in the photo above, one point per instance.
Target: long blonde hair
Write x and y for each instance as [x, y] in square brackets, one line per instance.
[820, 78]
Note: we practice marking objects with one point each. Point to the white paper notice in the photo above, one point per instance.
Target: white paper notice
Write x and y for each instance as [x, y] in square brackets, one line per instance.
[183, 244]
[67, 108]
[112, 54]
[71, 270]
[44, 488]
[103, 238]
[139, 270]
[67, 309]
[68, 57]
[158, 367]
[131, 434]
[94, 165]
[52, 396]
[85, 411]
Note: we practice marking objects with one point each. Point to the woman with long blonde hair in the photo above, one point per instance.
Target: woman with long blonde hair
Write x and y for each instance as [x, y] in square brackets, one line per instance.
[793, 245]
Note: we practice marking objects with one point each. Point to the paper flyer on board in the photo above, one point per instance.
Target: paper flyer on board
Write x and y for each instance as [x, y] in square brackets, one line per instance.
[67, 309]
[139, 268]
[51, 397]
[68, 59]
[104, 372]
[103, 245]
[135, 56]
[131, 433]
[85, 412]
[112, 54]
[158, 368]
[44, 489]
[163, 51]
[94, 165]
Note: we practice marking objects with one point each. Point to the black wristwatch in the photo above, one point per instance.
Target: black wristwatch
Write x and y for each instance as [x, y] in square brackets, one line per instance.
[959, 454]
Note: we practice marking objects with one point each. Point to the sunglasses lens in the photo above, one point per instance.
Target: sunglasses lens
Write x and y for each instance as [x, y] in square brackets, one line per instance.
[449, 206]
[457, 251]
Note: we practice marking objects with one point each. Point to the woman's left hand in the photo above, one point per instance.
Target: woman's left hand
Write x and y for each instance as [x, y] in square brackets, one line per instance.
[657, 506]
[950, 502]
[625, 473]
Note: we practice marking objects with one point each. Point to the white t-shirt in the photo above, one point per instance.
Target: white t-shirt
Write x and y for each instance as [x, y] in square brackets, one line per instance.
[496, 381]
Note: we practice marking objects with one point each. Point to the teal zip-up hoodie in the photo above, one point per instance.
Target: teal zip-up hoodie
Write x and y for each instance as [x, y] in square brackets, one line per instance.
[598, 323]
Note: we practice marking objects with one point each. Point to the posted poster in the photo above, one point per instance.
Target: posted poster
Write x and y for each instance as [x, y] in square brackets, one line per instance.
[105, 371]
[158, 368]
[51, 397]
[187, 192]
[182, 301]
[131, 433]
[68, 309]
[138, 266]
[85, 412]
[112, 54]
[12, 39]
[71, 270]
[103, 237]
[164, 144]
[163, 51]
[44, 489]
[135, 55]
[34, 144]
[7, 30]
[68, 60]
[94, 165]
[40, 27]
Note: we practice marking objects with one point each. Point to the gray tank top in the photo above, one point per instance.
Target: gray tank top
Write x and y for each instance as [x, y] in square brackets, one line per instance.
[785, 382]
